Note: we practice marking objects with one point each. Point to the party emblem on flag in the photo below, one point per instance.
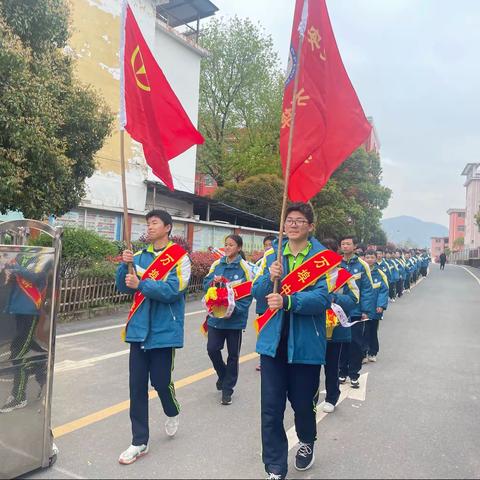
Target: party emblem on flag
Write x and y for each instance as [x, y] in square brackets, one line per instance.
[139, 70]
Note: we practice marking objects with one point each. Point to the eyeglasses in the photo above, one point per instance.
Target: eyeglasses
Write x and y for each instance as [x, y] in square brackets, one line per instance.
[296, 221]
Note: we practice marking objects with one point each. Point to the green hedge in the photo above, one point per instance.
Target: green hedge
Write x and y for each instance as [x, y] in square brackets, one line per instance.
[81, 243]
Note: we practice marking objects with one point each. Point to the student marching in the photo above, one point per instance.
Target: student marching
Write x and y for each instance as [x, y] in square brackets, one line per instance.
[224, 326]
[332, 298]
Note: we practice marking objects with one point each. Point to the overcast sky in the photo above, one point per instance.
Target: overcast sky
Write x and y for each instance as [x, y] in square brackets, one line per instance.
[415, 65]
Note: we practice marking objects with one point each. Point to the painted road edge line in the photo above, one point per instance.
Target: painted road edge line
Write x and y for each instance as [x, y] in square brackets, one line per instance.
[112, 327]
[346, 392]
[125, 405]
[471, 273]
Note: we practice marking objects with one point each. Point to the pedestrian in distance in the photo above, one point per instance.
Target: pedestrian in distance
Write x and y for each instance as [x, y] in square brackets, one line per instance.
[155, 326]
[443, 261]
[233, 269]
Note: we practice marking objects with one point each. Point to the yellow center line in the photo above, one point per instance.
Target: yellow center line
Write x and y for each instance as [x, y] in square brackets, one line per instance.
[122, 406]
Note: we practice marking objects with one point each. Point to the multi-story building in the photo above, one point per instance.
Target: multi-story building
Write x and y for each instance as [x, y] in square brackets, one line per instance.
[472, 205]
[205, 184]
[167, 27]
[95, 44]
[456, 228]
[439, 244]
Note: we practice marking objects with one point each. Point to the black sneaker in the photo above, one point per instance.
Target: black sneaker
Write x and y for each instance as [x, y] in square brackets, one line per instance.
[219, 385]
[355, 383]
[342, 379]
[13, 404]
[304, 458]
[226, 399]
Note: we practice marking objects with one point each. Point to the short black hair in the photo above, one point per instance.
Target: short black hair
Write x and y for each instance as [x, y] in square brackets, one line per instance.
[330, 243]
[349, 237]
[269, 238]
[304, 208]
[371, 252]
[163, 215]
[380, 250]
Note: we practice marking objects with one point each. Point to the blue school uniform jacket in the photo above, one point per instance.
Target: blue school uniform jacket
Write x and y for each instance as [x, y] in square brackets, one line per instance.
[307, 334]
[237, 271]
[361, 274]
[158, 322]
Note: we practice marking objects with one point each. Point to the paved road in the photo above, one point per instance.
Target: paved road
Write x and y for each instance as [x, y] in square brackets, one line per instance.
[415, 416]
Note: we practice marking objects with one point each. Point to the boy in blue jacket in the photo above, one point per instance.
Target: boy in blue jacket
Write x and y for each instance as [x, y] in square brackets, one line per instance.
[379, 304]
[394, 275]
[400, 263]
[291, 345]
[155, 327]
[220, 330]
[352, 354]
[341, 336]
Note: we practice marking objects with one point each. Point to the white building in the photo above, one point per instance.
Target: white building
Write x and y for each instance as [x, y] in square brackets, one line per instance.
[95, 44]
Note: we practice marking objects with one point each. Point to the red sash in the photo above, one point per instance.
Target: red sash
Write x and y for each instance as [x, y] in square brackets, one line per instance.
[302, 277]
[158, 269]
[343, 276]
[240, 291]
[31, 291]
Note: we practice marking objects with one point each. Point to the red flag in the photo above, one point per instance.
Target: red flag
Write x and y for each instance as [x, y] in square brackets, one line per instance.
[151, 112]
[329, 122]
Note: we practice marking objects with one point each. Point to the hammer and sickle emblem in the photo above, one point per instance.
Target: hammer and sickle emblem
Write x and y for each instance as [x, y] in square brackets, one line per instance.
[140, 73]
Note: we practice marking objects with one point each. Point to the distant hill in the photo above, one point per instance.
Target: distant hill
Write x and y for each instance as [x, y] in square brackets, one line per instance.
[412, 230]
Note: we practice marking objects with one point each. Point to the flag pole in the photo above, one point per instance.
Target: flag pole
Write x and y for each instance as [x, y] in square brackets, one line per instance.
[289, 158]
[126, 223]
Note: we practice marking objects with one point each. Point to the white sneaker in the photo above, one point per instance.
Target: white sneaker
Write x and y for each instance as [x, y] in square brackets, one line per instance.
[273, 476]
[372, 358]
[132, 454]
[328, 407]
[364, 360]
[171, 425]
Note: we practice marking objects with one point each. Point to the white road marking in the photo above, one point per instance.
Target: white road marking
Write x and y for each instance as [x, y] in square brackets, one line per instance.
[69, 365]
[112, 327]
[471, 273]
[346, 391]
[67, 473]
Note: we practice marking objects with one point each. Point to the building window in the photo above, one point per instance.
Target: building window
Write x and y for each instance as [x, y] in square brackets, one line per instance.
[461, 215]
[209, 181]
[461, 228]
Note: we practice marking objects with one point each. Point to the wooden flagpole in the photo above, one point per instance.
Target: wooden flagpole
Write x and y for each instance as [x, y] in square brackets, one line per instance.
[289, 158]
[126, 223]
